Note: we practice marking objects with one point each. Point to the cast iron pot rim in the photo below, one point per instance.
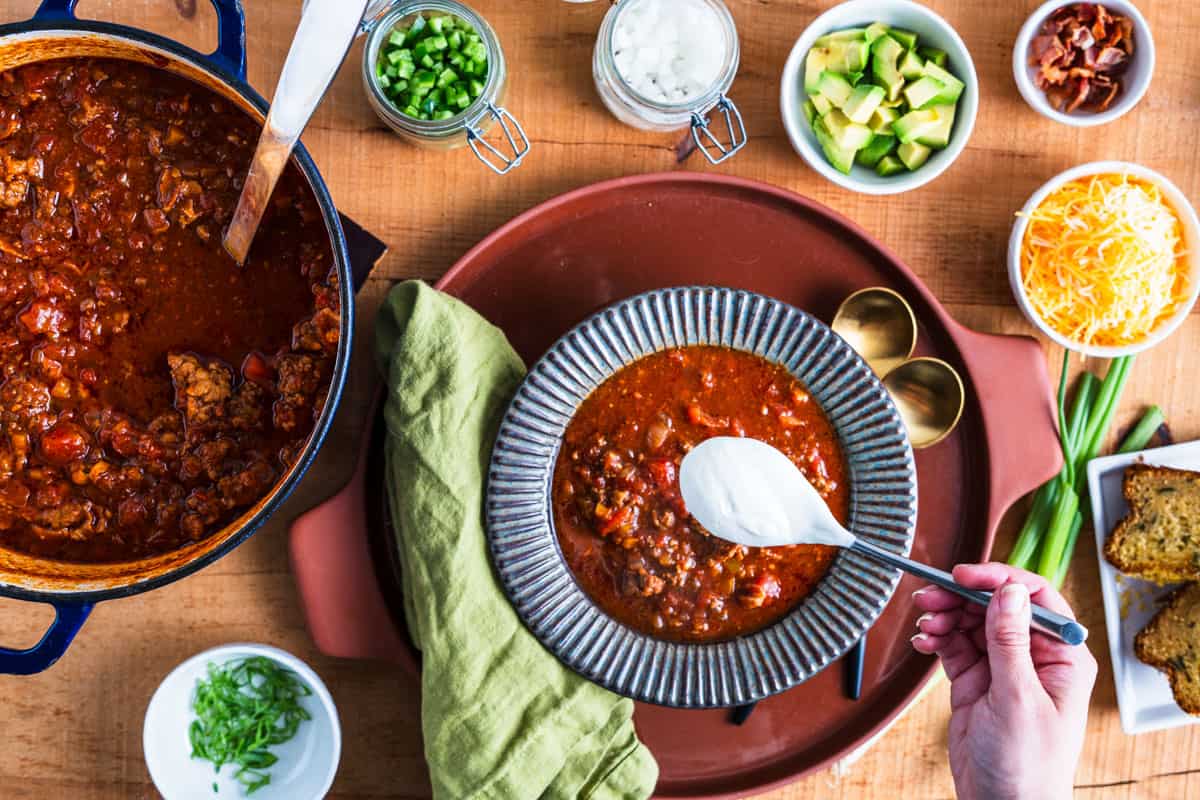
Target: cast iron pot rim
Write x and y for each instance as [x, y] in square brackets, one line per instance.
[333, 225]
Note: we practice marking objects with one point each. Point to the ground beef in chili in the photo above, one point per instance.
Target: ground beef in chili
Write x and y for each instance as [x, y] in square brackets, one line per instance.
[151, 390]
[622, 524]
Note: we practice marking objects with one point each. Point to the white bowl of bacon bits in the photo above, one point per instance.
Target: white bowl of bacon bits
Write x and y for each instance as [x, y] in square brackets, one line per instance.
[1084, 64]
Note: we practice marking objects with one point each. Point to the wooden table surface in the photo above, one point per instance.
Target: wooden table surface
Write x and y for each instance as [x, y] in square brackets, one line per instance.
[75, 731]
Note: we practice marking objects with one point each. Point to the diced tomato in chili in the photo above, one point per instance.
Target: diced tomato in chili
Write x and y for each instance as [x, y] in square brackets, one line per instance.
[616, 520]
[42, 316]
[698, 416]
[662, 470]
[64, 443]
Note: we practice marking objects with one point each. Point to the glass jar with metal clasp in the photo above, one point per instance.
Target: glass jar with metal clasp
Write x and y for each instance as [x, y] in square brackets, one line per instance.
[629, 69]
[466, 127]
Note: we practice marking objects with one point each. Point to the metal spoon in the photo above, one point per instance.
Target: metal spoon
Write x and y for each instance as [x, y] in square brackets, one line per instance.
[929, 395]
[323, 37]
[881, 327]
[749, 493]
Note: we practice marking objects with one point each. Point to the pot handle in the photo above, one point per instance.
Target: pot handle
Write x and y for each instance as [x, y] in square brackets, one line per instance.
[1017, 403]
[331, 560]
[68, 619]
[230, 54]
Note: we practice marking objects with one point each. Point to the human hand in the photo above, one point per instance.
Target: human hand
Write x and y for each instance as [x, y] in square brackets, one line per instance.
[1019, 702]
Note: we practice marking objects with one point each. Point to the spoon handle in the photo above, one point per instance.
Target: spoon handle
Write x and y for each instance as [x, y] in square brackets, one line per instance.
[1044, 620]
[326, 30]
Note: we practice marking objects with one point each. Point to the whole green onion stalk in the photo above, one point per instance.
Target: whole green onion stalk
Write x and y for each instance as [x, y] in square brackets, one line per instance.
[1047, 540]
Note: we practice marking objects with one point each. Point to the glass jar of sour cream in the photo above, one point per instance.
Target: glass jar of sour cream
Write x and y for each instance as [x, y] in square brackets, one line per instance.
[667, 64]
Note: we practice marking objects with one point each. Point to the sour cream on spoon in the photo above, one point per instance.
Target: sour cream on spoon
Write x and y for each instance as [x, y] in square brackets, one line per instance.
[749, 493]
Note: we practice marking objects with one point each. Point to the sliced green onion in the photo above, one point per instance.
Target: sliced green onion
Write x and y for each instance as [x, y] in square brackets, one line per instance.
[242, 709]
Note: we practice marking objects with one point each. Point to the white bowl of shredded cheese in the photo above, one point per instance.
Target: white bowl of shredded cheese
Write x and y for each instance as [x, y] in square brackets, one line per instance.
[1105, 258]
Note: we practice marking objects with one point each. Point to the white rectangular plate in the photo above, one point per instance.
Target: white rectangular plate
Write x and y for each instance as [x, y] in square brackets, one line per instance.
[1143, 694]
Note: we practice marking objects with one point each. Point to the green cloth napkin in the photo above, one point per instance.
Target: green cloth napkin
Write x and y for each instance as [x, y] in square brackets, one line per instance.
[502, 717]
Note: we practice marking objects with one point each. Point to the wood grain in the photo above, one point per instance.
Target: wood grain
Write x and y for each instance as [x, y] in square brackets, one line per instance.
[74, 733]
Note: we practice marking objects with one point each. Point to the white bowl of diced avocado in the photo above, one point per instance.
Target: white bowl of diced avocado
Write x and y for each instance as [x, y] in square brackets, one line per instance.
[879, 96]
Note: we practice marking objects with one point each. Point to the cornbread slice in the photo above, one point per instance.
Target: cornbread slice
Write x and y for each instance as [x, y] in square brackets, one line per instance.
[1171, 644]
[1160, 539]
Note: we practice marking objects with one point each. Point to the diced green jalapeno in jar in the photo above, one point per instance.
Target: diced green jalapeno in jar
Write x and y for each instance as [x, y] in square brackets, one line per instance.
[433, 68]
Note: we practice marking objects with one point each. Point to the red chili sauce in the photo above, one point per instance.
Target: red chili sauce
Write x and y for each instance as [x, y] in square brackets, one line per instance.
[621, 521]
[150, 389]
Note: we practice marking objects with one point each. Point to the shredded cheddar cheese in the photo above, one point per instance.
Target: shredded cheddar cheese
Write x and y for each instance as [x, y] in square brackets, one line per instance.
[1102, 261]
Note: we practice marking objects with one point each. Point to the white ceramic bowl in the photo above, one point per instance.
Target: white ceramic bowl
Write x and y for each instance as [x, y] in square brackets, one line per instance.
[307, 763]
[1191, 232]
[1134, 81]
[933, 32]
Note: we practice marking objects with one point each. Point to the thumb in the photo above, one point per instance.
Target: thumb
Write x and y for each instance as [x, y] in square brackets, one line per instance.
[1007, 631]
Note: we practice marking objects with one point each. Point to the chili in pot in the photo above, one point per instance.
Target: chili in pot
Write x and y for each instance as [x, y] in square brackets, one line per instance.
[151, 390]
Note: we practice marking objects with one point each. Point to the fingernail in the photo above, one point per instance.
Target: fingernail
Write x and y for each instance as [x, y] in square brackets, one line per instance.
[928, 615]
[920, 592]
[1014, 597]
[919, 637]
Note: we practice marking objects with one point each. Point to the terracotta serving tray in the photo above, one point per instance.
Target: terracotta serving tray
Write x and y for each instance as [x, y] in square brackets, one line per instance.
[552, 266]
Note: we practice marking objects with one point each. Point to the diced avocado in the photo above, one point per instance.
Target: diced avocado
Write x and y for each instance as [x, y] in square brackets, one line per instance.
[821, 104]
[906, 38]
[913, 155]
[914, 124]
[841, 158]
[954, 87]
[910, 65]
[881, 121]
[884, 66]
[874, 31]
[923, 92]
[855, 77]
[876, 149]
[938, 136]
[810, 113]
[835, 87]
[844, 56]
[888, 166]
[863, 102]
[846, 134]
[938, 57]
[894, 103]
[840, 36]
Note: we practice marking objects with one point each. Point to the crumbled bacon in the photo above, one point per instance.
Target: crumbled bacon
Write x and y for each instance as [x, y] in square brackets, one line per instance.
[1080, 52]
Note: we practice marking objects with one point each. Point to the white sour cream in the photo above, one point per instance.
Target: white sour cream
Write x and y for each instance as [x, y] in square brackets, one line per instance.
[749, 493]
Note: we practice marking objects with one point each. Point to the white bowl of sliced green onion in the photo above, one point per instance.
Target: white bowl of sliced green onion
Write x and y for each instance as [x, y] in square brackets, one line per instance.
[242, 720]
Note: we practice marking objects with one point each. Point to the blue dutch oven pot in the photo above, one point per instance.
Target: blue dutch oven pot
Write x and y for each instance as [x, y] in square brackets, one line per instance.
[73, 589]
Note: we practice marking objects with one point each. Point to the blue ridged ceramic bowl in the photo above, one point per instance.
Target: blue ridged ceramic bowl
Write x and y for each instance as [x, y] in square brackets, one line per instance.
[520, 519]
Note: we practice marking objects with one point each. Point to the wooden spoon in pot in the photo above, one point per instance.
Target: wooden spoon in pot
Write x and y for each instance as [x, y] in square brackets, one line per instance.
[326, 30]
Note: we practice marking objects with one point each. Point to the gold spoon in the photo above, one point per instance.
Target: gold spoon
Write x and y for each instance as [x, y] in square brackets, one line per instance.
[929, 395]
[881, 326]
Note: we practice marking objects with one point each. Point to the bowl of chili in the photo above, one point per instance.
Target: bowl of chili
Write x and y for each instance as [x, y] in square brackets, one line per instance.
[159, 403]
[594, 546]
